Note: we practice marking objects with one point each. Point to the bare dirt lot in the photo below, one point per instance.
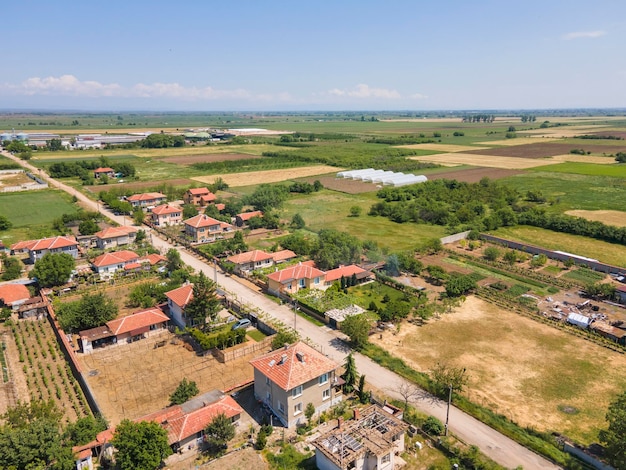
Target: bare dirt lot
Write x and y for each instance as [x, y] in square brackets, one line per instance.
[518, 367]
[542, 150]
[268, 176]
[14, 179]
[130, 380]
[474, 175]
[217, 157]
[139, 185]
[616, 218]
[344, 185]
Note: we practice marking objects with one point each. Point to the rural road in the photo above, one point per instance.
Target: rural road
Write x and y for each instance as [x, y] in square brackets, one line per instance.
[500, 448]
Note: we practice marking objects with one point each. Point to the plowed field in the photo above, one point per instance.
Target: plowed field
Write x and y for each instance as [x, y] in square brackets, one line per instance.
[542, 150]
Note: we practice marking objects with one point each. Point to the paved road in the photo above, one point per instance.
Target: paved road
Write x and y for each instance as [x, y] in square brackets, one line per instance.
[497, 446]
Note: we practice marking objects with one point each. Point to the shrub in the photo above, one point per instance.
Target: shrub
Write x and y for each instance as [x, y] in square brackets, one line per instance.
[433, 426]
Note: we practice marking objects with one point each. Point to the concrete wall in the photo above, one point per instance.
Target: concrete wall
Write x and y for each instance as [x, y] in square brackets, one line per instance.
[454, 238]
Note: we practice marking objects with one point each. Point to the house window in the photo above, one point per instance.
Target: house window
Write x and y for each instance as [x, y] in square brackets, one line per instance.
[267, 380]
[316, 280]
[301, 283]
[323, 379]
[385, 459]
[326, 394]
[296, 392]
[297, 409]
[268, 398]
[281, 407]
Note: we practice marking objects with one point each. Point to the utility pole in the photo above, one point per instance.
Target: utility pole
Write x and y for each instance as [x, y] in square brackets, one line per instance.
[448, 411]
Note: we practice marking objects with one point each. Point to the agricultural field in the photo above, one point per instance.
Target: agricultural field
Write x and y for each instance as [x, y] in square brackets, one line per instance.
[615, 170]
[209, 158]
[268, 176]
[535, 374]
[543, 150]
[32, 212]
[616, 218]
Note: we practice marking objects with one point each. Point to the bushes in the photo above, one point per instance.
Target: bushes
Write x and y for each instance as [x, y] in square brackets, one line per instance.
[433, 426]
[219, 340]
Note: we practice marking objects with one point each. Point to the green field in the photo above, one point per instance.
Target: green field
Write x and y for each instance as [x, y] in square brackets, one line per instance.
[330, 209]
[615, 170]
[31, 212]
[606, 252]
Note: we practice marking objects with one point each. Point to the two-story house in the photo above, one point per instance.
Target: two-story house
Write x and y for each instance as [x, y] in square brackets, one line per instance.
[98, 172]
[199, 197]
[113, 237]
[146, 200]
[177, 300]
[166, 214]
[36, 249]
[370, 441]
[251, 260]
[290, 378]
[301, 276]
[108, 264]
[202, 228]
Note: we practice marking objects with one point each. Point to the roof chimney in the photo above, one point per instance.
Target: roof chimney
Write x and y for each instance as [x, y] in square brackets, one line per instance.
[283, 358]
[357, 414]
[339, 422]
[300, 357]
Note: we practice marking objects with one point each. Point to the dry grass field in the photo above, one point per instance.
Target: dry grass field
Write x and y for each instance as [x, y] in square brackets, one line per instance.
[518, 367]
[520, 141]
[216, 157]
[543, 150]
[131, 380]
[569, 157]
[14, 179]
[268, 176]
[441, 147]
[562, 132]
[616, 218]
[509, 163]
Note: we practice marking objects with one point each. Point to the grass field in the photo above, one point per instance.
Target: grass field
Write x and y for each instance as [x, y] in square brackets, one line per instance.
[606, 252]
[616, 170]
[268, 176]
[32, 211]
[518, 367]
[330, 209]
[617, 218]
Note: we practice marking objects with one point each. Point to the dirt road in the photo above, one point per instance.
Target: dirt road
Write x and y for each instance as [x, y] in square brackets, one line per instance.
[497, 446]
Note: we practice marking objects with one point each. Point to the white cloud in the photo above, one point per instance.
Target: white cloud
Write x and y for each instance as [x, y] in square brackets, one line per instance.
[583, 34]
[365, 91]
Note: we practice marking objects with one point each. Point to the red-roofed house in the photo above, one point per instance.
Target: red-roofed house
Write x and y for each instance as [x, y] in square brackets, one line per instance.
[177, 300]
[166, 214]
[242, 219]
[202, 228]
[283, 255]
[199, 197]
[251, 260]
[292, 279]
[153, 259]
[129, 328]
[289, 378]
[107, 264]
[98, 172]
[36, 249]
[112, 237]
[13, 295]
[146, 200]
[347, 272]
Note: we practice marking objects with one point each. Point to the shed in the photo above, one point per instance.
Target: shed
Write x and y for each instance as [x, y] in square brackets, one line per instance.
[578, 320]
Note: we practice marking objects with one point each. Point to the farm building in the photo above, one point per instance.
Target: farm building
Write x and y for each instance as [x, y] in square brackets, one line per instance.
[578, 320]
[404, 180]
[392, 178]
[608, 331]
[350, 174]
[621, 294]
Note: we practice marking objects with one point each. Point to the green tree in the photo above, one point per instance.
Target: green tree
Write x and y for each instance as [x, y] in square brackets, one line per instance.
[357, 327]
[350, 373]
[433, 426]
[510, 256]
[53, 269]
[459, 284]
[205, 303]
[364, 396]
[538, 260]
[5, 224]
[174, 260]
[88, 227]
[492, 253]
[90, 311]
[355, 211]
[189, 211]
[84, 429]
[297, 222]
[186, 389]
[445, 377]
[139, 216]
[140, 446]
[220, 431]
[436, 273]
[11, 268]
[309, 411]
[284, 337]
[266, 197]
[614, 437]
[54, 145]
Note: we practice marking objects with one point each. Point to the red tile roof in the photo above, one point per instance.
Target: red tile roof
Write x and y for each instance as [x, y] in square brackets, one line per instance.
[166, 209]
[146, 197]
[45, 243]
[345, 271]
[249, 257]
[293, 365]
[220, 206]
[202, 220]
[181, 296]
[115, 232]
[208, 197]
[153, 259]
[141, 319]
[283, 255]
[10, 293]
[305, 270]
[249, 215]
[115, 257]
[198, 191]
[131, 266]
[180, 425]
[104, 170]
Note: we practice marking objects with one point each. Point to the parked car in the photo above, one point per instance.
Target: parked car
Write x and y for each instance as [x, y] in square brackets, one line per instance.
[243, 323]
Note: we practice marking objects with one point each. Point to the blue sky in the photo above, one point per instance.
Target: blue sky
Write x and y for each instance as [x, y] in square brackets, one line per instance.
[312, 55]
